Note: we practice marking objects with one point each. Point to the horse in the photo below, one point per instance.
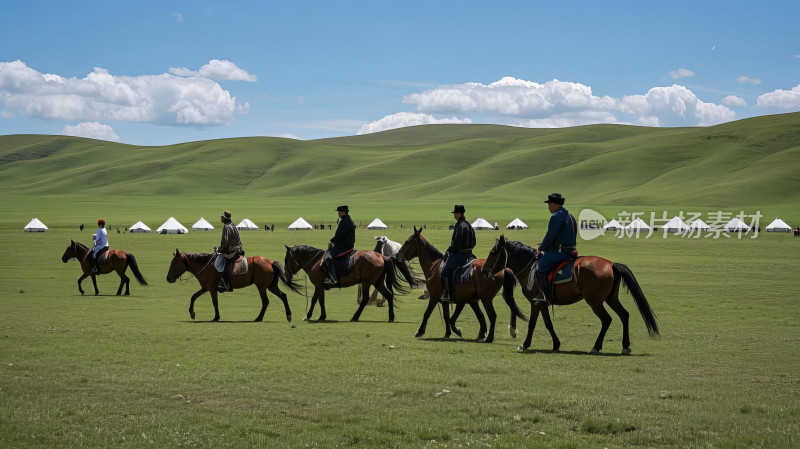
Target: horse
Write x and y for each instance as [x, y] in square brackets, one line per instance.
[117, 260]
[262, 272]
[370, 268]
[480, 287]
[595, 280]
[389, 248]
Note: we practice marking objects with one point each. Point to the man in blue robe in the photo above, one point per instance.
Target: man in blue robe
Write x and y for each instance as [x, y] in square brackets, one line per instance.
[558, 244]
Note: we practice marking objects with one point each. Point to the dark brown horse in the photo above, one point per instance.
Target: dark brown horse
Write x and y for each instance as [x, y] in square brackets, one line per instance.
[595, 280]
[480, 288]
[262, 272]
[117, 260]
[370, 269]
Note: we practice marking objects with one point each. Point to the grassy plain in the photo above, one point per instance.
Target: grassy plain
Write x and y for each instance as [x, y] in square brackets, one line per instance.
[138, 372]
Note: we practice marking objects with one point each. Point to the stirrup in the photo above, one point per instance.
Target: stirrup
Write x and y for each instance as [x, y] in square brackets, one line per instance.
[540, 298]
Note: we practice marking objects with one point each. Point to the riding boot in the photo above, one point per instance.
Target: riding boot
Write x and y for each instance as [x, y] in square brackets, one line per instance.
[331, 279]
[228, 273]
[93, 264]
[446, 288]
[544, 288]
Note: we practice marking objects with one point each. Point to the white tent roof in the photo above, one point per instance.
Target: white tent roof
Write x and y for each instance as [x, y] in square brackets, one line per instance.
[517, 223]
[247, 225]
[778, 225]
[377, 224]
[140, 227]
[638, 223]
[480, 223]
[35, 225]
[675, 225]
[299, 224]
[613, 225]
[172, 226]
[736, 225]
[202, 225]
[699, 224]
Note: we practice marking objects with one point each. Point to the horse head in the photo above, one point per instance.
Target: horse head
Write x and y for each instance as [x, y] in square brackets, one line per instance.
[290, 264]
[70, 252]
[176, 267]
[498, 255]
[410, 248]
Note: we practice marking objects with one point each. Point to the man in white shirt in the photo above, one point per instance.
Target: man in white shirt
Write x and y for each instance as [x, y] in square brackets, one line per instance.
[100, 244]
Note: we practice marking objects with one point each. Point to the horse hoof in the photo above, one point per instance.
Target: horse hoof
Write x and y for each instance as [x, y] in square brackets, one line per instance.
[594, 351]
[191, 314]
[418, 334]
[513, 331]
[258, 320]
[626, 351]
[289, 318]
[522, 349]
[457, 331]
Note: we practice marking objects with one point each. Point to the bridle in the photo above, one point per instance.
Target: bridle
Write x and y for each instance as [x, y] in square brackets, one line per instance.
[302, 267]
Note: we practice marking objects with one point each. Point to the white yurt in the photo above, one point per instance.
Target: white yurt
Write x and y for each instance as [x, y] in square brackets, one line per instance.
[140, 227]
[675, 225]
[480, 223]
[202, 225]
[300, 225]
[699, 225]
[517, 224]
[612, 225]
[172, 226]
[377, 224]
[778, 225]
[35, 225]
[638, 225]
[736, 225]
[247, 225]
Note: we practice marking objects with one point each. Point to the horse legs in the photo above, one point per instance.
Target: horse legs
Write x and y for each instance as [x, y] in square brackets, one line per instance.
[389, 296]
[313, 303]
[425, 316]
[264, 303]
[80, 279]
[531, 326]
[605, 319]
[476, 308]
[492, 315]
[214, 301]
[548, 323]
[454, 318]
[94, 282]
[364, 301]
[277, 291]
[322, 314]
[123, 281]
[616, 306]
[446, 318]
[191, 303]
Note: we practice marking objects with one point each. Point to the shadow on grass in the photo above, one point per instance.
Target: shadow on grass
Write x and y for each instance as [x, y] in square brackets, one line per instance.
[601, 354]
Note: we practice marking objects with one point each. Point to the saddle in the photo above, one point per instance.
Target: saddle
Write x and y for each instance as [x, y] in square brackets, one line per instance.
[344, 263]
[239, 265]
[562, 273]
[463, 273]
[101, 259]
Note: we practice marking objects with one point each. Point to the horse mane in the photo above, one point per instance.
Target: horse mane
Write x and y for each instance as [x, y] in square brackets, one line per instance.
[81, 245]
[307, 250]
[433, 250]
[199, 257]
[519, 249]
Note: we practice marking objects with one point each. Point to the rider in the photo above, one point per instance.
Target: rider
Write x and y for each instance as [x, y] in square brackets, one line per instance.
[342, 243]
[100, 244]
[229, 248]
[458, 253]
[558, 244]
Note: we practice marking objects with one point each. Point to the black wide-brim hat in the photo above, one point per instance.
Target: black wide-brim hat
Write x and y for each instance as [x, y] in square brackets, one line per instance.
[458, 208]
[344, 209]
[226, 215]
[555, 198]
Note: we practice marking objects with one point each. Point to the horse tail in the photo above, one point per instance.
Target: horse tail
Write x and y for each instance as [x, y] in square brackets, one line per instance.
[509, 283]
[392, 267]
[291, 284]
[135, 269]
[635, 290]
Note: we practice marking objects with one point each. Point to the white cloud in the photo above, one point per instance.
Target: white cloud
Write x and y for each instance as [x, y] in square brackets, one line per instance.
[178, 16]
[747, 79]
[216, 70]
[732, 100]
[780, 99]
[6, 114]
[164, 99]
[403, 119]
[680, 73]
[674, 106]
[569, 119]
[92, 130]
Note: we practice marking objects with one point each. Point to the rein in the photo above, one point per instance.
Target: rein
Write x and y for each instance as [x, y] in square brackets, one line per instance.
[194, 275]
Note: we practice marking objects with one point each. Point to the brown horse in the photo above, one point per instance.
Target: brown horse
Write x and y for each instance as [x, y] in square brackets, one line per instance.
[483, 288]
[262, 272]
[117, 260]
[370, 269]
[595, 280]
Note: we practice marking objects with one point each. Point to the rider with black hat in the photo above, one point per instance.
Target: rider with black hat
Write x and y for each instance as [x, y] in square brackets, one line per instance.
[458, 253]
[229, 248]
[558, 244]
[342, 243]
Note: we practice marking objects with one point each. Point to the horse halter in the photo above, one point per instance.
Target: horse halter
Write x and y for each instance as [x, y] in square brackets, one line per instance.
[300, 267]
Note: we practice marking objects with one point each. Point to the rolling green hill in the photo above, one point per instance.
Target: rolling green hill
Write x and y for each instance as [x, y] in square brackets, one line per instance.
[748, 162]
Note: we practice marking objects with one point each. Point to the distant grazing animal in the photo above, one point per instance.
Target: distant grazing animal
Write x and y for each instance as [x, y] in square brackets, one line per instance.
[595, 280]
[479, 288]
[262, 272]
[369, 269]
[116, 260]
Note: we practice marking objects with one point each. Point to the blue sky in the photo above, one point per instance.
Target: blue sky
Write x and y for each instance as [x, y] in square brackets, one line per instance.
[163, 72]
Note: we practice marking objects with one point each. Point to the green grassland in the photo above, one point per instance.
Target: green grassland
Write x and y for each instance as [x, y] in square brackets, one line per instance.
[102, 371]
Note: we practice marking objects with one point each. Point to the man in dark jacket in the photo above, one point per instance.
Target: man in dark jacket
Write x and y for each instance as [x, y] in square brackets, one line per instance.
[458, 253]
[228, 250]
[341, 244]
[558, 244]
